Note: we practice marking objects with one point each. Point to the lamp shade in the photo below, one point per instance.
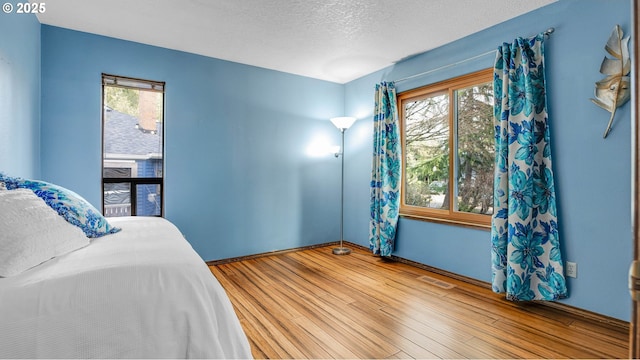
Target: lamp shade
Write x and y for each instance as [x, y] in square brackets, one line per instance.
[343, 122]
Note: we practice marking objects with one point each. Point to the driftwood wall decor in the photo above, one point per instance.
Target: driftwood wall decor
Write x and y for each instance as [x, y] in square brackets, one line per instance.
[615, 89]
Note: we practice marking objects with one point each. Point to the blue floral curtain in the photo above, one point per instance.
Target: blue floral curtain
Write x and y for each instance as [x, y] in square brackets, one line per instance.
[525, 251]
[385, 171]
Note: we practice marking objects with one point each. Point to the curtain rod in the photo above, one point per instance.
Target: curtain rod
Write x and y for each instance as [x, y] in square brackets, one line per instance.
[547, 32]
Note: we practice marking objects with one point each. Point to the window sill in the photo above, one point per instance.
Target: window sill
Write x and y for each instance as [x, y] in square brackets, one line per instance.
[486, 227]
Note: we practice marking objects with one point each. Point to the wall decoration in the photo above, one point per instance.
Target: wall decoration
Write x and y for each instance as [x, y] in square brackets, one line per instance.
[614, 90]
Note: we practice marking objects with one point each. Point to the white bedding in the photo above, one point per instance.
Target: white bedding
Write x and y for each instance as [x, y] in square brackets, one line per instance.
[140, 293]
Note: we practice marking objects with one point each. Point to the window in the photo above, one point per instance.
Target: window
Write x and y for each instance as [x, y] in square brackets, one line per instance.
[132, 146]
[448, 150]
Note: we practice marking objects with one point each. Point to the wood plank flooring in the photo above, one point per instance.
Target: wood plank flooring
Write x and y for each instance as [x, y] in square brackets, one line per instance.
[313, 304]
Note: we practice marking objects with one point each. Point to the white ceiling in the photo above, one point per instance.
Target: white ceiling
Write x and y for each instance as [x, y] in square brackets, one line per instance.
[334, 40]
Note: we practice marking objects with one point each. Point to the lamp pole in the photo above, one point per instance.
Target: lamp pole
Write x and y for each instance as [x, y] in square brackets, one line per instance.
[342, 123]
[341, 250]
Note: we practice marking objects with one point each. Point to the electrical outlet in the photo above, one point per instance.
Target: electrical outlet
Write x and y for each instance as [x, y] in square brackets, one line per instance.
[571, 269]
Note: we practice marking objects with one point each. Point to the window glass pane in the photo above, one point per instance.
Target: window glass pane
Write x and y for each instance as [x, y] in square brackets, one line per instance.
[427, 151]
[148, 200]
[117, 199]
[133, 130]
[475, 145]
[116, 172]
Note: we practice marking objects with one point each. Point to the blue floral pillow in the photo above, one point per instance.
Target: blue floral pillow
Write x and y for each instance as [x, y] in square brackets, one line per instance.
[71, 206]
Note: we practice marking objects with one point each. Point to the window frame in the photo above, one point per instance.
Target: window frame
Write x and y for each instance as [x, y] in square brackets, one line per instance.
[449, 216]
[141, 85]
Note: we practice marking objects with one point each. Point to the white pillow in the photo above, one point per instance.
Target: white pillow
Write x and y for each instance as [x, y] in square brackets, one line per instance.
[31, 232]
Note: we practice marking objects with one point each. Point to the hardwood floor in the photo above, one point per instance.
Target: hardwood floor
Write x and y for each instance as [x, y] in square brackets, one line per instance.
[313, 304]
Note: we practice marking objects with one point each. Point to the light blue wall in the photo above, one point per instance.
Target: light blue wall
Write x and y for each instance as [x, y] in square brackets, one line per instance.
[238, 176]
[19, 94]
[592, 175]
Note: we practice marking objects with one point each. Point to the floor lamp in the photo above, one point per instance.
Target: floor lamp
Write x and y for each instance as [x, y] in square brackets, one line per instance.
[342, 123]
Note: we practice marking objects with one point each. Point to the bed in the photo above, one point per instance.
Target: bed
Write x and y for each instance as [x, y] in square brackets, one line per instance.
[140, 292]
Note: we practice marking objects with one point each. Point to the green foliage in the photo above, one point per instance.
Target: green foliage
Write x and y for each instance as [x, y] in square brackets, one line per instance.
[428, 177]
[433, 169]
[124, 100]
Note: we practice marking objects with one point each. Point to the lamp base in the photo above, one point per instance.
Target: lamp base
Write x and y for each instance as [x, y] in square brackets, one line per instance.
[341, 251]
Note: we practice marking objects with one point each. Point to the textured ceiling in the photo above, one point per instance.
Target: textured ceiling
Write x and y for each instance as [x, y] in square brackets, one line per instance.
[334, 40]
